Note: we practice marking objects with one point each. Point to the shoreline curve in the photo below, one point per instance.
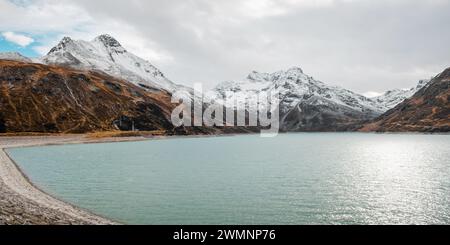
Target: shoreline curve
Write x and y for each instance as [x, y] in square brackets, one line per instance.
[21, 202]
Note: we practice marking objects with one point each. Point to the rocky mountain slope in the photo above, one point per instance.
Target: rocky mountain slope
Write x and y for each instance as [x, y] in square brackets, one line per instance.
[426, 111]
[107, 55]
[41, 98]
[305, 103]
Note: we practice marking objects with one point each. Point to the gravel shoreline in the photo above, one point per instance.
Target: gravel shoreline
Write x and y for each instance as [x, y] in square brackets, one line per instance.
[23, 203]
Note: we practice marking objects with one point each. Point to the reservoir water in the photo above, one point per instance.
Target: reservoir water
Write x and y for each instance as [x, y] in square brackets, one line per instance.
[317, 178]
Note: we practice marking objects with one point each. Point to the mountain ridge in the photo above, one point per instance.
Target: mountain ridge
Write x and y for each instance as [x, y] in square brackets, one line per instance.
[394, 97]
[428, 110]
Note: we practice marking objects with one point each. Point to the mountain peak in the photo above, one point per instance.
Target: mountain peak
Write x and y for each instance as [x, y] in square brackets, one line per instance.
[258, 76]
[108, 40]
[422, 83]
[295, 69]
[61, 45]
[66, 40]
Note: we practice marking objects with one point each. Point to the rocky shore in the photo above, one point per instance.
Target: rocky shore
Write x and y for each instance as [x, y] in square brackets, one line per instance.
[22, 203]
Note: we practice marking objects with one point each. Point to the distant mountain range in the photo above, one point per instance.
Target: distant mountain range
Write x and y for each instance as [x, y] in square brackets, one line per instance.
[310, 105]
[123, 83]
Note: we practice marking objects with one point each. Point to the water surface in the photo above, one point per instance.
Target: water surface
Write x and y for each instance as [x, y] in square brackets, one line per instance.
[329, 178]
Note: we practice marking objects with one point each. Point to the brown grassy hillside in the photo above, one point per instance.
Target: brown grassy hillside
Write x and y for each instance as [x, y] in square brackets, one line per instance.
[50, 99]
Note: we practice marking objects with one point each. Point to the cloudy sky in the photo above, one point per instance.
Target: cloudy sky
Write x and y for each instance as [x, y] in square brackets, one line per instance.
[362, 45]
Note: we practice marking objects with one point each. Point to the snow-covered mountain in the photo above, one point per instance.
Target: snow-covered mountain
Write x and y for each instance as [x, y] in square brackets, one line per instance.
[294, 86]
[392, 98]
[15, 56]
[309, 104]
[107, 55]
[305, 103]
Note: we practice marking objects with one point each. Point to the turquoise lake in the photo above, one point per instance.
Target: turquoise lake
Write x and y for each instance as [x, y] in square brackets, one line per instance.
[304, 178]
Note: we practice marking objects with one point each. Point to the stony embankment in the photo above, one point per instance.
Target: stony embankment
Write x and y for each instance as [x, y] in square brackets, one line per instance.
[17, 210]
[22, 203]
